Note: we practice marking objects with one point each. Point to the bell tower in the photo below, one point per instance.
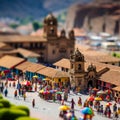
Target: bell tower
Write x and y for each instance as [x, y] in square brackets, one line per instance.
[77, 69]
[50, 27]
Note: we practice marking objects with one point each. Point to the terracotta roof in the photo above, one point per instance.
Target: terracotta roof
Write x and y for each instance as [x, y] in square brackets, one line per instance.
[116, 88]
[4, 46]
[66, 64]
[34, 67]
[82, 47]
[112, 77]
[23, 65]
[102, 59]
[48, 71]
[26, 53]
[53, 73]
[10, 61]
[60, 74]
[63, 63]
[21, 38]
[91, 55]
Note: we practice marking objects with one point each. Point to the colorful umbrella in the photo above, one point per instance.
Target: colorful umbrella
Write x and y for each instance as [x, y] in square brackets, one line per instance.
[46, 79]
[95, 89]
[91, 98]
[35, 76]
[28, 83]
[64, 108]
[98, 99]
[108, 91]
[100, 92]
[86, 110]
[46, 92]
[41, 91]
[52, 91]
[108, 104]
[59, 92]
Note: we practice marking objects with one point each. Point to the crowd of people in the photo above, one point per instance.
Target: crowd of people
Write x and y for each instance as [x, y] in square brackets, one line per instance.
[62, 97]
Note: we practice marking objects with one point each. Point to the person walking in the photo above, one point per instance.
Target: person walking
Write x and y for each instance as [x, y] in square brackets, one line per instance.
[79, 101]
[15, 93]
[72, 104]
[24, 96]
[33, 103]
[6, 92]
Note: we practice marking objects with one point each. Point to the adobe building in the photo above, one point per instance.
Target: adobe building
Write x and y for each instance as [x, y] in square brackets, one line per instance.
[50, 46]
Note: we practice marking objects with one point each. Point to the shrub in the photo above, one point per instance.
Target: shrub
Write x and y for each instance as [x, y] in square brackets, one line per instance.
[11, 114]
[3, 112]
[1, 97]
[26, 118]
[5, 103]
[1, 105]
[24, 108]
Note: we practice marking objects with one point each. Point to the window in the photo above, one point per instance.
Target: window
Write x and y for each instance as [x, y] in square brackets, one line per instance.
[62, 50]
[66, 69]
[71, 65]
[59, 80]
[62, 69]
[79, 66]
[113, 63]
[51, 30]
[31, 45]
[36, 45]
[104, 84]
[71, 52]
[53, 52]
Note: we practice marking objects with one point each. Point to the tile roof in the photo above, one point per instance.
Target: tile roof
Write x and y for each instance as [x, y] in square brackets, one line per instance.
[23, 65]
[82, 47]
[63, 63]
[34, 67]
[21, 38]
[116, 88]
[48, 71]
[112, 77]
[26, 53]
[66, 64]
[10, 61]
[92, 55]
[53, 73]
[4, 46]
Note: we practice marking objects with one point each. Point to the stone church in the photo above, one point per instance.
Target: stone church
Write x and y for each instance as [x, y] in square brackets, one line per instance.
[51, 46]
[79, 76]
[57, 47]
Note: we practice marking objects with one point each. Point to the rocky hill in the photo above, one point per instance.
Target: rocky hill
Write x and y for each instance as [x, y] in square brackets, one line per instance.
[33, 9]
[95, 16]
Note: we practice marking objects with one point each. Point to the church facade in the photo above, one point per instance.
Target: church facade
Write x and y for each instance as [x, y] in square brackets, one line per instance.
[79, 77]
[57, 47]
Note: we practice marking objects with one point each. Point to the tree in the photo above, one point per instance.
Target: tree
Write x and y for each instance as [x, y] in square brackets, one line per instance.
[36, 25]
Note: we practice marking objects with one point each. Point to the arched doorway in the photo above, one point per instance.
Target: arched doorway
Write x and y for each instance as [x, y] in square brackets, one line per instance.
[90, 83]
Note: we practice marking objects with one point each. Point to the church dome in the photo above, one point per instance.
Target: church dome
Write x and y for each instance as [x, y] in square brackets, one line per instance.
[77, 56]
[50, 17]
[91, 68]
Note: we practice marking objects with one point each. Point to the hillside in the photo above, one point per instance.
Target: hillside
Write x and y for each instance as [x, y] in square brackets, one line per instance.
[95, 16]
[32, 9]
